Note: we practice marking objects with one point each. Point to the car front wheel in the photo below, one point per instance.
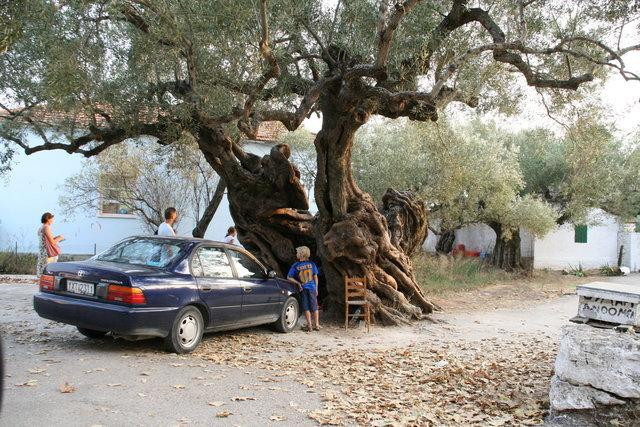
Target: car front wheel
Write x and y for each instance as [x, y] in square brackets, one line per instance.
[289, 316]
[91, 333]
[186, 332]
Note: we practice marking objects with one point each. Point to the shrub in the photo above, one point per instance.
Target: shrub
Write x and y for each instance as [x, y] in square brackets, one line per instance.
[17, 263]
[575, 271]
[610, 271]
[442, 273]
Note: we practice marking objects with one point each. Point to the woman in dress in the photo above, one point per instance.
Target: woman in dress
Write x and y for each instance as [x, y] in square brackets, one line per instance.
[44, 232]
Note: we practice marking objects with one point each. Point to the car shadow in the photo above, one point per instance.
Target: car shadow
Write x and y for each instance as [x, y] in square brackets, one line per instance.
[110, 344]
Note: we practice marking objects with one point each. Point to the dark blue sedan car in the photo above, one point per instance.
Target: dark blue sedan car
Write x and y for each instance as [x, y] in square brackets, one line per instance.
[174, 288]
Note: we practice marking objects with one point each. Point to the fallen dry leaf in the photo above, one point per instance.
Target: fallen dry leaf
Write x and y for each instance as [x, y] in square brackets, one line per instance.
[277, 418]
[216, 403]
[498, 380]
[223, 414]
[179, 386]
[66, 388]
[114, 384]
[242, 398]
[28, 383]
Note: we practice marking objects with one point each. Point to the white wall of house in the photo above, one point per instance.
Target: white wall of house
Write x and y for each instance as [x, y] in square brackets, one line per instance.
[480, 237]
[34, 186]
[558, 249]
[475, 237]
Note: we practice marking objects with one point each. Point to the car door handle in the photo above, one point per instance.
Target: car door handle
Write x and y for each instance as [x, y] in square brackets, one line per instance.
[206, 287]
[247, 290]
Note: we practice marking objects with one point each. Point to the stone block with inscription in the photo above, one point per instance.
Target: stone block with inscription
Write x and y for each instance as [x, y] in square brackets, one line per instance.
[609, 302]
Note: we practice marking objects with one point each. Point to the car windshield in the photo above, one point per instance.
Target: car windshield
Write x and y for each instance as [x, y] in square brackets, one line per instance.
[141, 251]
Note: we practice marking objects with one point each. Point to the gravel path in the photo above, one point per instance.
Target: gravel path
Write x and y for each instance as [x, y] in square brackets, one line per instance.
[473, 366]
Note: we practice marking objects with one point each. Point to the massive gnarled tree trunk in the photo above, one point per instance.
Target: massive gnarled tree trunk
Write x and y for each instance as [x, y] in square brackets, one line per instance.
[406, 216]
[506, 252]
[268, 203]
[352, 236]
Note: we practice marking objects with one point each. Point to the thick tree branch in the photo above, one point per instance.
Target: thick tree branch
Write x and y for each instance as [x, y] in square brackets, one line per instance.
[386, 32]
[102, 137]
[292, 119]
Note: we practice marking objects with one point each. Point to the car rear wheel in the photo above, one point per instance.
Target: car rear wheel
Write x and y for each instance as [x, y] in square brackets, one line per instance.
[91, 333]
[186, 332]
[289, 316]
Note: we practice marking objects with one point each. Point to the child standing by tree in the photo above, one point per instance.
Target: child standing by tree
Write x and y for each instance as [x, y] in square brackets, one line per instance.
[305, 274]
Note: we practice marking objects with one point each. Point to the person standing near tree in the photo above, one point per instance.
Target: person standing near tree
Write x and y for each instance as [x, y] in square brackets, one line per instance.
[48, 249]
[230, 238]
[305, 274]
[170, 217]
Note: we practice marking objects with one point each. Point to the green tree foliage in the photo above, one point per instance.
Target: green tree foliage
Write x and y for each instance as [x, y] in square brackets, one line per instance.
[125, 68]
[467, 176]
[586, 168]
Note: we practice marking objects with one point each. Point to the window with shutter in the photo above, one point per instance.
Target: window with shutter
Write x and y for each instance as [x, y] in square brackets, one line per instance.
[580, 233]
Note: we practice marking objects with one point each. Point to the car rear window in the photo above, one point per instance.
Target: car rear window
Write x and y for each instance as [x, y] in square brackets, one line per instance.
[149, 252]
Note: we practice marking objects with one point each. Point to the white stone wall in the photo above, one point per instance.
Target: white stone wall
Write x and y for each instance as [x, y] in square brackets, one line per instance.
[631, 249]
[480, 237]
[558, 250]
[476, 237]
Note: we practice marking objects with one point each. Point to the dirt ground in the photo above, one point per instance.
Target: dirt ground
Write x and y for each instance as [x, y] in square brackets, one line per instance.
[519, 292]
[485, 360]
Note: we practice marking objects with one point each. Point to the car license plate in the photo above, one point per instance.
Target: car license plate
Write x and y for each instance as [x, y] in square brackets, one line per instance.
[81, 288]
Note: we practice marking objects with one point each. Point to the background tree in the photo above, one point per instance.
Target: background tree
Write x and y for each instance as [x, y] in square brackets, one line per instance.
[145, 68]
[467, 176]
[145, 179]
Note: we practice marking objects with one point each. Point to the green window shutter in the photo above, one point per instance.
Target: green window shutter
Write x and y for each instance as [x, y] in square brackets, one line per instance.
[580, 233]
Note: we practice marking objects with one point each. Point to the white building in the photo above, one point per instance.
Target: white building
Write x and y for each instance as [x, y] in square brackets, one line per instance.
[565, 247]
[34, 186]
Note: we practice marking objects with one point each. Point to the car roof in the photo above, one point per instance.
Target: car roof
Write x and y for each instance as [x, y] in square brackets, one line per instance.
[190, 239]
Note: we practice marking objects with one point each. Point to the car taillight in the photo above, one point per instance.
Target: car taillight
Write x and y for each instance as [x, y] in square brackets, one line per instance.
[125, 294]
[46, 282]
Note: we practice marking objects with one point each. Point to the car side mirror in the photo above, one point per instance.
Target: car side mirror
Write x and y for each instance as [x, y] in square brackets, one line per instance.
[272, 274]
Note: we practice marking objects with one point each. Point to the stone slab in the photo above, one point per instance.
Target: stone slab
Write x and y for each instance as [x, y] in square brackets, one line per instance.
[564, 396]
[603, 359]
[607, 290]
[610, 302]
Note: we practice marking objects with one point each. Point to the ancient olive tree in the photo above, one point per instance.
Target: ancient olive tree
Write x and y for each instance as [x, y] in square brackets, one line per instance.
[139, 67]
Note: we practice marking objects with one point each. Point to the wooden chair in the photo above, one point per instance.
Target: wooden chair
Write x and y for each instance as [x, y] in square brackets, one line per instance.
[355, 291]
